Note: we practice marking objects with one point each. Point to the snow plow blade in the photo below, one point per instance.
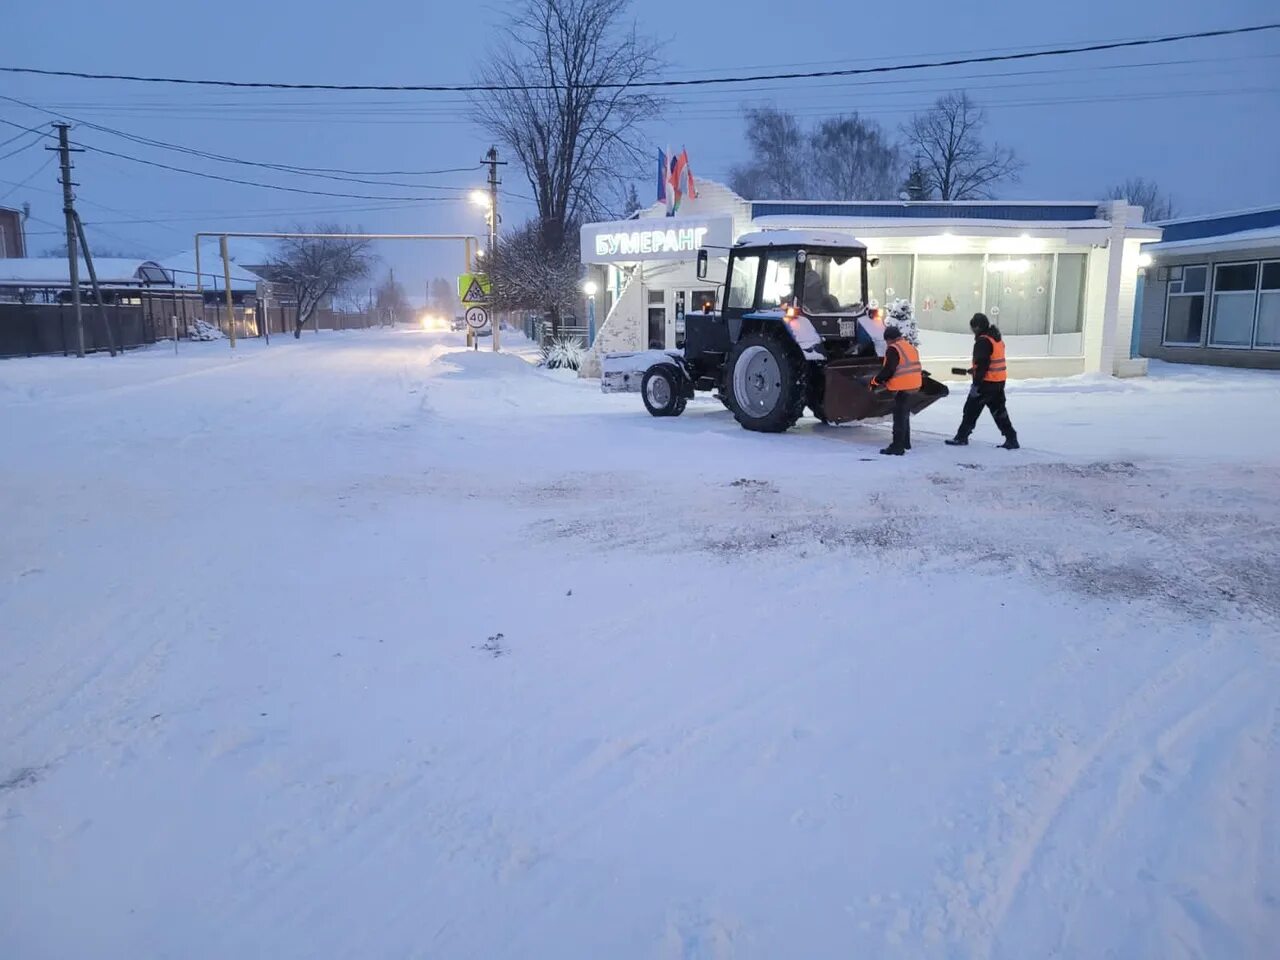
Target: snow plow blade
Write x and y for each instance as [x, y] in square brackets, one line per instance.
[846, 395]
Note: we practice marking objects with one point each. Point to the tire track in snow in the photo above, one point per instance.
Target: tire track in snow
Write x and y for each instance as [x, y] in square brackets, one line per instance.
[1149, 772]
[1057, 794]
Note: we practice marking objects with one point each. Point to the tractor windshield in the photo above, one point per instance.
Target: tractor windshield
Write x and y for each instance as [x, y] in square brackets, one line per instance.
[833, 283]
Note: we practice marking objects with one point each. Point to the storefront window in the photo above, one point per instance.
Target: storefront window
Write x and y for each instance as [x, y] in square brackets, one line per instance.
[742, 284]
[1184, 309]
[779, 279]
[1018, 294]
[948, 291]
[1068, 297]
[832, 284]
[890, 279]
[1234, 303]
[1269, 307]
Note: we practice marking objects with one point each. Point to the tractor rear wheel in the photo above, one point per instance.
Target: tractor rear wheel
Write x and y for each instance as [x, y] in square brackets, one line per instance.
[766, 383]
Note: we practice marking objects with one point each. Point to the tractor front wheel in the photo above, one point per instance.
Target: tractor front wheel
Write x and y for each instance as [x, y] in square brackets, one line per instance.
[664, 391]
[767, 383]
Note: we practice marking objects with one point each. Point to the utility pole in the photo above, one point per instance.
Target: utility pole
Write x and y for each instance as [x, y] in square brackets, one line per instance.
[69, 211]
[93, 281]
[491, 158]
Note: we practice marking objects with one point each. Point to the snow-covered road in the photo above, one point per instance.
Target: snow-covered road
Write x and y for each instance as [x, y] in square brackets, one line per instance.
[364, 646]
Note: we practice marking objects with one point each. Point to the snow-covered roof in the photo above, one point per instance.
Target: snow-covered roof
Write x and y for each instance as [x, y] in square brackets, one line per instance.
[244, 252]
[783, 237]
[54, 271]
[1240, 240]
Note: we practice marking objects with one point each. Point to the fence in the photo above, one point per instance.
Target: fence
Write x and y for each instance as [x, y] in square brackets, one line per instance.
[540, 331]
[34, 329]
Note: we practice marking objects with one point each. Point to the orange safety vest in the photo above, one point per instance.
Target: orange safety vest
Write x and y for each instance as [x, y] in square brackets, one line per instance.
[997, 372]
[909, 375]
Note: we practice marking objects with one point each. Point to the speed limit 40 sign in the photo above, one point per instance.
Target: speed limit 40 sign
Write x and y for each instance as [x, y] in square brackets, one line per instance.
[477, 318]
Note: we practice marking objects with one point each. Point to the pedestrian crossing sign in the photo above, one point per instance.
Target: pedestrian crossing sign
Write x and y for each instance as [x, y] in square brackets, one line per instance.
[474, 288]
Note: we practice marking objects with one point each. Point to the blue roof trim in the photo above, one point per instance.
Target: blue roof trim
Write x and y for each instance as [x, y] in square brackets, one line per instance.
[929, 211]
[1217, 226]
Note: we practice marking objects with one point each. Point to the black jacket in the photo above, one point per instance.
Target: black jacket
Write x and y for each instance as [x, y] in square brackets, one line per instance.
[982, 352]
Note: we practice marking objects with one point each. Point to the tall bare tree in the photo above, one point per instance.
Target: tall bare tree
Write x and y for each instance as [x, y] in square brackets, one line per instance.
[1155, 203]
[853, 159]
[778, 168]
[314, 270]
[957, 163]
[842, 158]
[561, 98]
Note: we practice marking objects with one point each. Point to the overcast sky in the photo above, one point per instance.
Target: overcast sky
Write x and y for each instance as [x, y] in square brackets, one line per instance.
[1207, 130]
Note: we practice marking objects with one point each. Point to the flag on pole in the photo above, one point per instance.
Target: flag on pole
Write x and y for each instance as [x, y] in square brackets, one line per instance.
[690, 188]
[675, 179]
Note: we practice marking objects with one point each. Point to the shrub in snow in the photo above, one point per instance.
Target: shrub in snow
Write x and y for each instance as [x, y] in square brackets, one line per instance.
[563, 353]
[199, 329]
[902, 315]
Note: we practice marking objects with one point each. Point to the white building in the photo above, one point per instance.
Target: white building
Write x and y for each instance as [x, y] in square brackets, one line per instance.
[1057, 278]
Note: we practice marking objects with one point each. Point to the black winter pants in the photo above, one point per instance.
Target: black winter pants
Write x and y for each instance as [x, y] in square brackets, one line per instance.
[902, 418]
[990, 396]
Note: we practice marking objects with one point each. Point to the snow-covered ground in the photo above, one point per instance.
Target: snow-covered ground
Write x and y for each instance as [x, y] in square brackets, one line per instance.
[365, 646]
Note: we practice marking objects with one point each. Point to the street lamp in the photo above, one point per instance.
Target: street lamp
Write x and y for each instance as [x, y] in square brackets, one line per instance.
[480, 198]
[590, 288]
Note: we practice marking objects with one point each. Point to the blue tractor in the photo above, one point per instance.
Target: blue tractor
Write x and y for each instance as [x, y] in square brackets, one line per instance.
[794, 330]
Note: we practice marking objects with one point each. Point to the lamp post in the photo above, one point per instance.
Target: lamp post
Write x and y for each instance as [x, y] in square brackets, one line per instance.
[590, 288]
[486, 200]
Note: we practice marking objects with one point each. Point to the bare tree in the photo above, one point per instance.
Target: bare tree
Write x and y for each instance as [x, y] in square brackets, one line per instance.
[1144, 193]
[444, 297]
[528, 274]
[390, 300]
[842, 158]
[854, 160]
[314, 270]
[561, 98]
[957, 164]
[632, 202]
[778, 168]
[916, 186]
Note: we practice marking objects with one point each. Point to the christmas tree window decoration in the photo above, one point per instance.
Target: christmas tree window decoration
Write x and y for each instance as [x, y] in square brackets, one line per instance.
[948, 304]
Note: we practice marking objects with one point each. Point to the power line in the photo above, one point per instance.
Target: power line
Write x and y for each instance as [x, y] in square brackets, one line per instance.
[260, 215]
[255, 183]
[283, 167]
[19, 185]
[217, 109]
[24, 147]
[24, 132]
[660, 84]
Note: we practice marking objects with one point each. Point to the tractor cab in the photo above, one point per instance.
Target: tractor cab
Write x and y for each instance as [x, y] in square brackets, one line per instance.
[815, 281]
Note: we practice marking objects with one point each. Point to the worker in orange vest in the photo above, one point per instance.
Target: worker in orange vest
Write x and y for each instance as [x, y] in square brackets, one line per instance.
[902, 376]
[989, 372]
